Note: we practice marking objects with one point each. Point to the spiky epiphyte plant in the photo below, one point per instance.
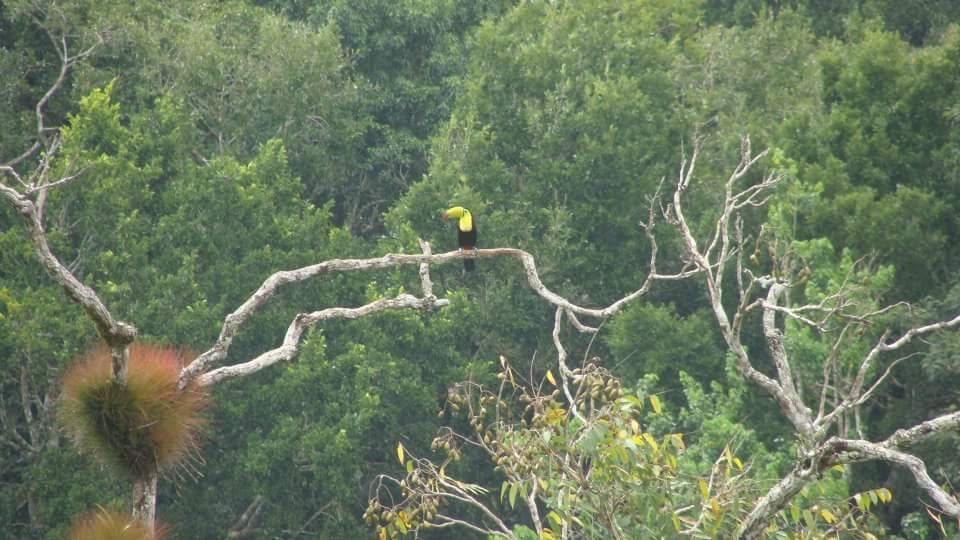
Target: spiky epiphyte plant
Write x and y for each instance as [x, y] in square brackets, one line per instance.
[143, 424]
[108, 525]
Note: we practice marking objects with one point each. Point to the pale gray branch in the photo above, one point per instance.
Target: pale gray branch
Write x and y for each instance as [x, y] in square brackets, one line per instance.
[116, 333]
[425, 283]
[16, 176]
[713, 275]
[579, 325]
[562, 362]
[788, 397]
[58, 183]
[244, 524]
[882, 345]
[291, 342]
[773, 501]
[25, 155]
[861, 450]
[907, 437]
[259, 298]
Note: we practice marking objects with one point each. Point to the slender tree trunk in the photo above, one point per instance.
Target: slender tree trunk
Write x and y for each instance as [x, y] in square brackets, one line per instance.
[145, 499]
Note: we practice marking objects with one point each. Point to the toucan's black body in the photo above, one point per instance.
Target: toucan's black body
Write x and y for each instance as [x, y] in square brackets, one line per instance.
[468, 240]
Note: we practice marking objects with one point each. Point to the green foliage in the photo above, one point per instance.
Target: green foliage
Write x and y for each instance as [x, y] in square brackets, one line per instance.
[647, 339]
[718, 420]
[600, 472]
[289, 83]
[886, 130]
[310, 435]
[917, 22]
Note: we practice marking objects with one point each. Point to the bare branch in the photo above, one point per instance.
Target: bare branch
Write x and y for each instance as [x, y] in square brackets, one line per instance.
[116, 333]
[907, 437]
[886, 373]
[531, 501]
[12, 172]
[291, 342]
[914, 332]
[41, 106]
[58, 183]
[773, 501]
[24, 156]
[830, 366]
[793, 313]
[562, 361]
[258, 299]
[425, 282]
[788, 397]
[712, 267]
[579, 325]
[66, 64]
[861, 450]
[854, 396]
[244, 524]
[145, 499]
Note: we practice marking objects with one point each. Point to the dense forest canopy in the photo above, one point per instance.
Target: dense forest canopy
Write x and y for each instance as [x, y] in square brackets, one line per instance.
[204, 146]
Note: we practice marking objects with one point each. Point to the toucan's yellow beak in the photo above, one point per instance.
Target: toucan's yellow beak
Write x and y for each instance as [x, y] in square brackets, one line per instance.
[443, 216]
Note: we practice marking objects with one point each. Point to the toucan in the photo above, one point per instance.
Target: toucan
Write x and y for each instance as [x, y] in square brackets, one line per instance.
[466, 232]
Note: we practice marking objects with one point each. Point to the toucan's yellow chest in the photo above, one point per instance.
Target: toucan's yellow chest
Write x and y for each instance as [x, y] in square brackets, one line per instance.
[466, 222]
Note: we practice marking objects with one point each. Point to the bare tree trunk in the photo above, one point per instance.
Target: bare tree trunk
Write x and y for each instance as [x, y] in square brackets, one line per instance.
[145, 500]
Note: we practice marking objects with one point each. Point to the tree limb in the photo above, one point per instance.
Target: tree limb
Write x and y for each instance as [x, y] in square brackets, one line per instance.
[271, 285]
[117, 334]
[291, 341]
[855, 394]
[865, 450]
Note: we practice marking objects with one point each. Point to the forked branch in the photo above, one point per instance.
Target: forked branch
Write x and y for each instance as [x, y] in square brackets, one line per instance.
[785, 387]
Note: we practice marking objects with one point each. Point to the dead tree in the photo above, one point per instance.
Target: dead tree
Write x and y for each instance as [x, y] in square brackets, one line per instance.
[817, 423]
